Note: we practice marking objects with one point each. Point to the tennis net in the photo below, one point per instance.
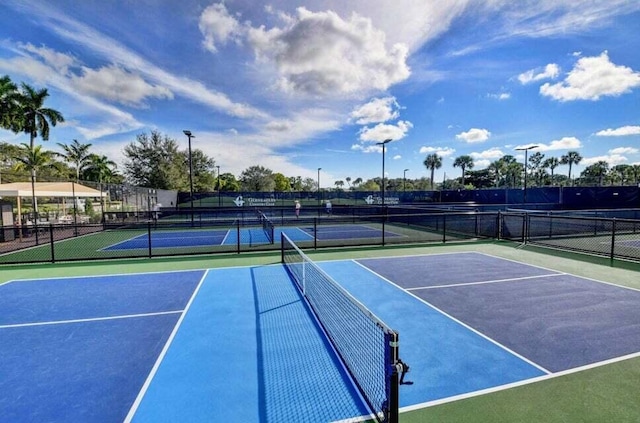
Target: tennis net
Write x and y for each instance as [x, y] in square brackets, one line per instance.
[267, 226]
[367, 347]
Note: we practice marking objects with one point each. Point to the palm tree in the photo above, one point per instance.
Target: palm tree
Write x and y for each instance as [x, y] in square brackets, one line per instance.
[77, 154]
[99, 169]
[9, 112]
[348, 179]
[571, 158]
[432, 162]
[551, 163]
[339, 184]
[32, 159]
[102, 170]
[357, 181]
[37, 117]
[464, 162]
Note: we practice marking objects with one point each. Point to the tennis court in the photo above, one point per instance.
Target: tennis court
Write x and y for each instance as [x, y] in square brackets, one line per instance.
[239, 343]
[186, 238]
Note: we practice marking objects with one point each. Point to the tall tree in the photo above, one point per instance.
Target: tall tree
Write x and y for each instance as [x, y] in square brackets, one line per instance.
[432, 162]
[551, 163]
[100, 169]
[281, 182]
[257, 178]
[535, 165]
[339, 184]
[37, 118]
[595, 173]
[76, 154]
[571, 158]
[464, 162]
[496, 170]
[635, 171]
[33, 159]
[622, 173]
[155, 161]
[10, 117]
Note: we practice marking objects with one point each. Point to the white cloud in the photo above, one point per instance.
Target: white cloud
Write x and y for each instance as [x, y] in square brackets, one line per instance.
[367, 148]
[612, 159]
[474, 135]
[492, 153]
[619, 132]
[481, 164]
[551, 71]
[440, 151]
[59, 61]
[376, 111]
[322, 53]
[116, 84]
[217, 26]
[397, 157]
[593, 78]
[119, 55]
[384, 131]
[624, 150]
[499, 96]
[565, 143]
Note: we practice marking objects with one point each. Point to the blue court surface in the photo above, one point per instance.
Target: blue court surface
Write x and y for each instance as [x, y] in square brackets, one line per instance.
[248, 236]
[239, 345]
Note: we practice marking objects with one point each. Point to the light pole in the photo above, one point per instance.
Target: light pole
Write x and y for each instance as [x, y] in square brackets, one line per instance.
[526, 151]
[218, 167]
[383, 143]
[190, 135]
[319, 169]
[404, 180]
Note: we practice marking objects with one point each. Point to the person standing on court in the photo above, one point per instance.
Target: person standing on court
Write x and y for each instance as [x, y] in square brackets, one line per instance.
[297, 209]
[329, 207]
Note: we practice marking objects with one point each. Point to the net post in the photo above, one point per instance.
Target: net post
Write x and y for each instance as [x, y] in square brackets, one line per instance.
[282, 247]
[304, 277]
[394, 379]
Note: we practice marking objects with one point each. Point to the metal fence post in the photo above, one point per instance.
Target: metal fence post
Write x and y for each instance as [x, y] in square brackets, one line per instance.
[613, 239]
[53, 255]
[149, 236]
[315, 233]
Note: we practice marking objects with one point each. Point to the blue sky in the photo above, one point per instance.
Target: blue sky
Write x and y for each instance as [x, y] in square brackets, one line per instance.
[294, 86]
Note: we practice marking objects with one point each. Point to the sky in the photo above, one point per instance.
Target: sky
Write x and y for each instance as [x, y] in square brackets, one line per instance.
[297, 86]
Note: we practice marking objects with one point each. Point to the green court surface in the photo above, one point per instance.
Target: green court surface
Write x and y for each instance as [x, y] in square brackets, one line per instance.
[603, 393]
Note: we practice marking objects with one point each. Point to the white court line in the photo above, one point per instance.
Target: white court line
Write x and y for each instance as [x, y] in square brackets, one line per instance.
[568, 274]
[226, 236]
[485, 282]
[460, 322]
[163, 353]
[107, 275]
[519, 383]
[92, 319]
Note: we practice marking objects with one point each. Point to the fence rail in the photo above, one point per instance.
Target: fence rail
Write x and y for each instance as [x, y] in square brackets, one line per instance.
[614, 238]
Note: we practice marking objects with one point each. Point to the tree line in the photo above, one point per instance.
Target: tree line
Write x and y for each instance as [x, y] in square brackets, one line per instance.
[507, 172]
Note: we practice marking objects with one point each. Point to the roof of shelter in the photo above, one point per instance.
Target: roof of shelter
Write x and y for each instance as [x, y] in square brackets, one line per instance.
[49, 189]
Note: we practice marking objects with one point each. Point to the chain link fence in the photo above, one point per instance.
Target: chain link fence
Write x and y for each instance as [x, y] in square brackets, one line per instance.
[181, 232]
